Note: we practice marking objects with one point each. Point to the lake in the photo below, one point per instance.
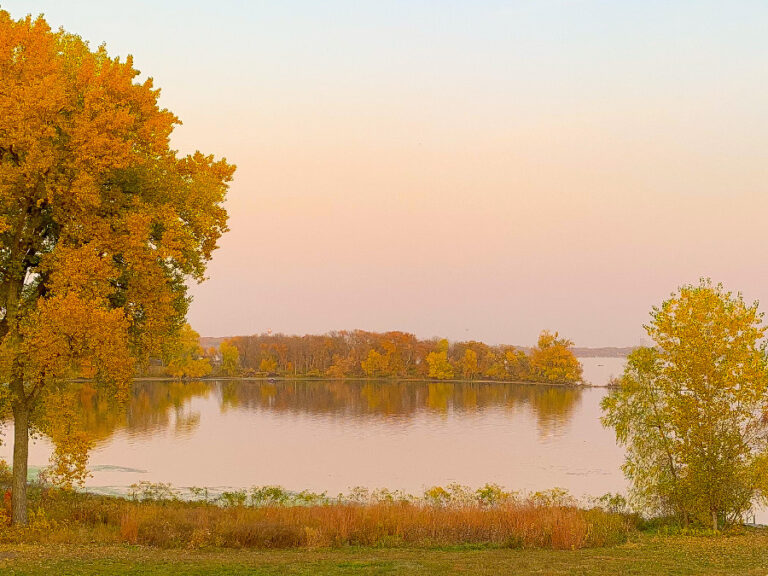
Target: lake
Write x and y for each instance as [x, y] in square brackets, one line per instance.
[333, 435]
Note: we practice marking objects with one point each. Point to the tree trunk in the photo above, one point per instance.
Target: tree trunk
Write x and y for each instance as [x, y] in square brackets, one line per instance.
[20, 463]
[714, 520]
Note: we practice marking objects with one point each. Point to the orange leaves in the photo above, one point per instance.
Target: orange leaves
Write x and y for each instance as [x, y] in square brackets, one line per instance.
[101, 225]
[62, 423]
[375, 364]
[30, 73]
[553, 361]
[71, 115]
[89, 186]
[350, 354]
[439, 365]
[84, 271]
[469, 364]
[67, 331]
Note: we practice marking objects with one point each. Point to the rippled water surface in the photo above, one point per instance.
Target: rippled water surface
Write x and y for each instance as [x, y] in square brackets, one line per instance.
[331, 435]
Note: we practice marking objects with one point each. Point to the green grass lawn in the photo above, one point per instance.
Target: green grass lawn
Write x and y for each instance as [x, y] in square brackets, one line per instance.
[743, 554]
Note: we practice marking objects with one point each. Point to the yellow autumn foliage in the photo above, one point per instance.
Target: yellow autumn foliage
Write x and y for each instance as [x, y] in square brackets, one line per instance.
[691, 410]
[101, 224]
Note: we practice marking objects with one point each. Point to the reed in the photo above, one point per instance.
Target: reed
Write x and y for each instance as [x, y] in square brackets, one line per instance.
[510, 525]
[436, 519]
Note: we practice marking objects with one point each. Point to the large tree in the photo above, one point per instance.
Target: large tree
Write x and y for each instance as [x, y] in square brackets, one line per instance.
[692, 409]
[101, 225]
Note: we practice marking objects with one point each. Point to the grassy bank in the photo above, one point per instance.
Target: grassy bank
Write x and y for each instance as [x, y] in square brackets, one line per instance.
[744, 553]
[268, 531]
[271, 518]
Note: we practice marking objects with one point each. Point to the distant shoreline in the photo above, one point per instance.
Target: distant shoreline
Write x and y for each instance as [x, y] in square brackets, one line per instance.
[361, 379]
[607, 352]
[579, 352]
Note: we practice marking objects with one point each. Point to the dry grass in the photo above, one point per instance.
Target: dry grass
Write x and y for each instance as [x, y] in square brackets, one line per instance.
[370, 525]
[512, 523]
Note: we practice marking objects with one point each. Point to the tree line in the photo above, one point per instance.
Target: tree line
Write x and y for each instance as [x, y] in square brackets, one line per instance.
[362, 354]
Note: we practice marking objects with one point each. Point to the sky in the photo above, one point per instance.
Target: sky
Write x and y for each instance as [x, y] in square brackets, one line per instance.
[466, 169]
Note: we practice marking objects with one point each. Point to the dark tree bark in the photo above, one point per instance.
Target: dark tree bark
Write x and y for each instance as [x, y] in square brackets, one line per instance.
[20, 458]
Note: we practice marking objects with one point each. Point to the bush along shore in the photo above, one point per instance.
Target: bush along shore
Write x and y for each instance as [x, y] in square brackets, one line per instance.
[271, 517]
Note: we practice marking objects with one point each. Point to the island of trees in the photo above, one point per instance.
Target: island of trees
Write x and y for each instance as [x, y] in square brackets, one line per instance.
[361, 354]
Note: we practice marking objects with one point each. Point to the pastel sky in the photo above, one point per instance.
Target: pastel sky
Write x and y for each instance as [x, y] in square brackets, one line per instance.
[469, 169]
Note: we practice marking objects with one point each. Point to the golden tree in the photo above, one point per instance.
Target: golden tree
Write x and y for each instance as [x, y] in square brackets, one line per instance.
[437, 360]
[101, 224]
[268, 365]
[469, 364]
[692, 409]
[185, 356]
[552, 359]
[230, 358]
[375, 364]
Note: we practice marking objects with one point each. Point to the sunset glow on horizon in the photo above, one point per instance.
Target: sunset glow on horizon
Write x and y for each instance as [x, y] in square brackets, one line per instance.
[469, 170]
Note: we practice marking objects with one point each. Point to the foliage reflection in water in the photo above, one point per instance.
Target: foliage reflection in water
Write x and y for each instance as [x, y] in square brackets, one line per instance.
[334, 435]
[157, 406]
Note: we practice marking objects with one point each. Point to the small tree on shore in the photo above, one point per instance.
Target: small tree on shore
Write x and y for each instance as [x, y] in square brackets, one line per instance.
[230, 359]
[552, 360]
[185, 357]
[692, 410]
[439, 365]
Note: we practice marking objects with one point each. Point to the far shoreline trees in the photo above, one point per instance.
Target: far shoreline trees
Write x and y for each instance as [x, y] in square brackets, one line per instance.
[361, 354]
[185, 358]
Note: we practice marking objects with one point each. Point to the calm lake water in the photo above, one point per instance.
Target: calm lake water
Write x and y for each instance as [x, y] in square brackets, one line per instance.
[332, 436]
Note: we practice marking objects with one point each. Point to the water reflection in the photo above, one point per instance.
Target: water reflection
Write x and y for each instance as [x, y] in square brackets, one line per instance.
[152, 406]
[552, 405]
[157, 406]
[332, 435]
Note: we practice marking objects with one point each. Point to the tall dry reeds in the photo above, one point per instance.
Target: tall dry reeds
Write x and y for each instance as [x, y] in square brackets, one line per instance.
[514, 525]
[270, 518]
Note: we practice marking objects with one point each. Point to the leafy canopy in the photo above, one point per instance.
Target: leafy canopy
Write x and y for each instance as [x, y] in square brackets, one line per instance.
[692, 410]
[185, 356]
[437, 360]
[101, 222]
[552, 359]
[230, 358]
